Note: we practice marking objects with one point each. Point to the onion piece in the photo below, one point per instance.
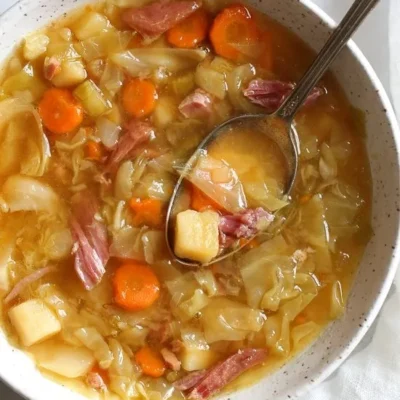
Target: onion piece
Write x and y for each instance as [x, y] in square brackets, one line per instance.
[26, 281]
[108, 132]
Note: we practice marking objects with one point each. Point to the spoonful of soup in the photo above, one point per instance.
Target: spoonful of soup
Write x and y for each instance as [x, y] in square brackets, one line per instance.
[222, 216]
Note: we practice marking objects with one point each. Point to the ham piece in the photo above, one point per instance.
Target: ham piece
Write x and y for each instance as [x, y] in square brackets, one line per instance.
[196, 105]
[244, 224]
[90, 240]
[271, 94]
[201, 385]
[25, 282]
[154, 19]
[136, 134]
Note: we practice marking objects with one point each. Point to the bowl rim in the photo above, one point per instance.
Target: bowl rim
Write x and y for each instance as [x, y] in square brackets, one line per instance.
[326, 371]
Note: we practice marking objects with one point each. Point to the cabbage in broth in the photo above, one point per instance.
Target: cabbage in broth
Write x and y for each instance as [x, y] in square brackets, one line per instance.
[98, 114]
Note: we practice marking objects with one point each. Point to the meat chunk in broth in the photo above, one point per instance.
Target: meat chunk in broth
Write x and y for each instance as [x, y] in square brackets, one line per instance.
[99, 112]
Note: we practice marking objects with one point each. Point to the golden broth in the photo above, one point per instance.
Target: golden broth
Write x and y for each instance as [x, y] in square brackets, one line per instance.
[330, 133]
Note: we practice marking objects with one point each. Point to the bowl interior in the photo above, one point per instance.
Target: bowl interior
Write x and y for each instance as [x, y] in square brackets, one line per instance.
[380, 260]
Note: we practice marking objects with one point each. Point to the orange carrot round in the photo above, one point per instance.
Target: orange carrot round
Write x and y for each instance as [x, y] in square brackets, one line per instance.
[60, 111]
[232, 28]
[136, 287]
[190, 32]
[199, 201]
[150, 362]
[147, 211]
[94, 151]
[139, 97]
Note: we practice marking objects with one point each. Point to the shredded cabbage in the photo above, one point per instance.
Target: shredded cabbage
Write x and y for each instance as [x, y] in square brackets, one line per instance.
[139, 61]
[21, 132]
[224, 319]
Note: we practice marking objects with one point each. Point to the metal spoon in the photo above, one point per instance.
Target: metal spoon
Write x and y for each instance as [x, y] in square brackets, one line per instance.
[285, 136]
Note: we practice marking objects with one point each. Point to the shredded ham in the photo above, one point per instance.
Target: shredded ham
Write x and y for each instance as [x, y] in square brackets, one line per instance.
[51, 68]
[136, 134]
[154, 19]
[196, 105]
[204, 384]
[90, 240]
[95, 381]
[28, 280]
[243, 225]
[189, 381]
[170, 359]
[176, 346]
[271, 94]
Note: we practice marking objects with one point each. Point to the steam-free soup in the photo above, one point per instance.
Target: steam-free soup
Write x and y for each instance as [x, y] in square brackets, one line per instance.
[98, 114]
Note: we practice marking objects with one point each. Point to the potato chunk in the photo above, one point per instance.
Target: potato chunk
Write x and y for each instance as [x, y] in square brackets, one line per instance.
[197, 235]
[90, 24]
[196, 359]
[63, 359]
[33, 321]
[35, 45]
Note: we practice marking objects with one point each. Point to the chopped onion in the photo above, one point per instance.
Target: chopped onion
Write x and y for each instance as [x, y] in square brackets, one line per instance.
[108, 132]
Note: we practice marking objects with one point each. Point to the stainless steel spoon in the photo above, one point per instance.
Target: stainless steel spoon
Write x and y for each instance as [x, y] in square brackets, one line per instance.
[285, 136]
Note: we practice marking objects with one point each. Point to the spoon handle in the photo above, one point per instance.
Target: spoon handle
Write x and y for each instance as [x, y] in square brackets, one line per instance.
[352, 20]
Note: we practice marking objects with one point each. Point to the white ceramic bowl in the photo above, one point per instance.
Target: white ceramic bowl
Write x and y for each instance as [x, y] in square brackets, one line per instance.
[383, 253]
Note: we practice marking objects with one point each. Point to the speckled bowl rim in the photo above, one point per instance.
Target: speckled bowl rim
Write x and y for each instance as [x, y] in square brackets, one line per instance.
[304, 387]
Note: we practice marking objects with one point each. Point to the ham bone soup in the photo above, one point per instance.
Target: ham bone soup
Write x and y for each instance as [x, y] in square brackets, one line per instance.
[98, 114]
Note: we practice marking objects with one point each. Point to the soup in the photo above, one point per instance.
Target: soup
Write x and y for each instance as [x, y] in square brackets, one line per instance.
[99, 113]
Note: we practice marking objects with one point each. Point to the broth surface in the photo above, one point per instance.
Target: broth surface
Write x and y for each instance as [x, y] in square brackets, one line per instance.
[278, 293]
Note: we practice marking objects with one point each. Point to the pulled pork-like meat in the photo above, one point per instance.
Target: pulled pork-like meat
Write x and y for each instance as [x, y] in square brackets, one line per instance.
[95, 381]
[170, 359]
[25, 282]
[271, 94]
[156, 18]
[136, 134]
[51, 68]
[196, 105]
[203, 384]
[244, 224]
[90, 240]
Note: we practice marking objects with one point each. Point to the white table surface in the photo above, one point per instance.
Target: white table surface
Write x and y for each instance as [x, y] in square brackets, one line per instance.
[372, 38]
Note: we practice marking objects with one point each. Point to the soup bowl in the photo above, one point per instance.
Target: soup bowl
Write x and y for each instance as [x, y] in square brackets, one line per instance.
[382, 255]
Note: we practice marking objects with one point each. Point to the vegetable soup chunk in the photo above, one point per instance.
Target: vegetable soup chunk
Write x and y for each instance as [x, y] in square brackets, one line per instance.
[99, 114]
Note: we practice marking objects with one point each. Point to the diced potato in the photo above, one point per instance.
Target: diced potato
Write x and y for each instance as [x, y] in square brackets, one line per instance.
[4, 280]
[165, 112]
[72, 73]
[195, 359]
[63, 359]
[90, 24]
[197, 235]
[183, 84]
[35, 45]
[92, 98]
[34, 322]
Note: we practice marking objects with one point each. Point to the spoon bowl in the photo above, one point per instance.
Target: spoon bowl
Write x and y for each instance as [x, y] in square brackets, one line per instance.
[277, 126]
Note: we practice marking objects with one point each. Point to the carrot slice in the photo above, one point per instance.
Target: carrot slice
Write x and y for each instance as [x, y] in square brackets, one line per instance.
[234, 28]
[199, 201]
[190, 32]
[139, 97]
[136, 287]
[150, 362]
[94, 151]
[147, 211]
[60, 111]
